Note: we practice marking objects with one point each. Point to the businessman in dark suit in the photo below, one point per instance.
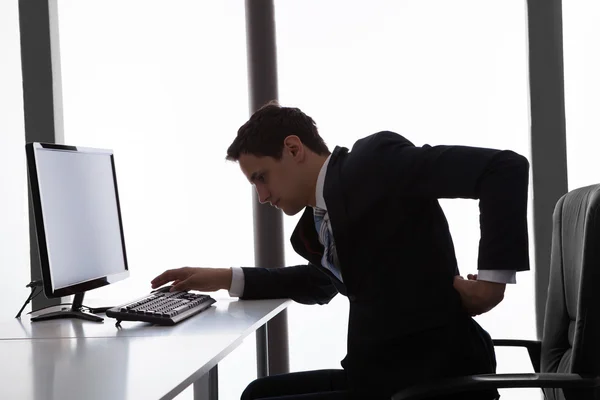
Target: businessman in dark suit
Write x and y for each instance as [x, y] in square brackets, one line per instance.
[373, 230]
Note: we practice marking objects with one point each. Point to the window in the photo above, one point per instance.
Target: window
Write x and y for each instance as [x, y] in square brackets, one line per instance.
[14, 217]
[437, 72]
[164, 85]
[581, 62]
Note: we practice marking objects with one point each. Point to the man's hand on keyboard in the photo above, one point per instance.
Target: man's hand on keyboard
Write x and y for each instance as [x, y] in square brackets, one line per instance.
[188, 278]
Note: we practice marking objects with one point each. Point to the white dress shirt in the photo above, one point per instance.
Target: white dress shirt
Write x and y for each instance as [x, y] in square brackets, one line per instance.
[237, 278]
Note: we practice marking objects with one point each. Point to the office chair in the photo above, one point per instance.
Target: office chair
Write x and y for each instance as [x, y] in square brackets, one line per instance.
[567, 360]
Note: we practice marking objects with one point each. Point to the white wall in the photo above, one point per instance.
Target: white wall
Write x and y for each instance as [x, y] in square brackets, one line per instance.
[14, 231]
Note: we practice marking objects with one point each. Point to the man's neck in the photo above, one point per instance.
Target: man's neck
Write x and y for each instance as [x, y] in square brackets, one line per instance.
[318, 165]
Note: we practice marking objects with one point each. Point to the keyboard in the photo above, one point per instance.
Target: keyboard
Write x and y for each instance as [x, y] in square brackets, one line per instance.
[162, 307]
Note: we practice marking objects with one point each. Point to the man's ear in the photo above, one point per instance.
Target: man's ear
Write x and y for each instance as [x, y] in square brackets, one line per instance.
[294, 146]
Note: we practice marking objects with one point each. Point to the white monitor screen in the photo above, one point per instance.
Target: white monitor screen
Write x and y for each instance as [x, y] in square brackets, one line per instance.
[80, 211]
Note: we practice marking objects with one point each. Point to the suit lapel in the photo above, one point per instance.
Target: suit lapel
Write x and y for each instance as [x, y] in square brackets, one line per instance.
[336, 208]
[305, 242]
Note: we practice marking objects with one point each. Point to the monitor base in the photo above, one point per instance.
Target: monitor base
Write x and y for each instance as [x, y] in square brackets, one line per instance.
[76, 311]
[68, 314]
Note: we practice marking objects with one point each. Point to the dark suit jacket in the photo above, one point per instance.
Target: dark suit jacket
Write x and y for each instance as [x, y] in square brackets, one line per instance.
[397, 259]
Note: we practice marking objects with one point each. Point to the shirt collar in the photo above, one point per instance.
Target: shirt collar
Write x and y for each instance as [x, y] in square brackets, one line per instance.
[320, 199]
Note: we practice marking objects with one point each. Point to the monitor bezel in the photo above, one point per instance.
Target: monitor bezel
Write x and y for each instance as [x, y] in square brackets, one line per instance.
[81, 287]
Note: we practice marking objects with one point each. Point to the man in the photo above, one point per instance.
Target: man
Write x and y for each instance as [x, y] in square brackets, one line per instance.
[373, 230]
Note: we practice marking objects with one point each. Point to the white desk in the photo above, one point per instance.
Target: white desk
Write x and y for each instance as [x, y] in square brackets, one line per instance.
[73, 359]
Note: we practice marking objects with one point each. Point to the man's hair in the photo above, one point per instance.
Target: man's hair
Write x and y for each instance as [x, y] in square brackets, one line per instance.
[265, 131]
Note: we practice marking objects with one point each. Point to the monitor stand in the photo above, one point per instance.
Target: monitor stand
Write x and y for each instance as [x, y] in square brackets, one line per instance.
[76, 311]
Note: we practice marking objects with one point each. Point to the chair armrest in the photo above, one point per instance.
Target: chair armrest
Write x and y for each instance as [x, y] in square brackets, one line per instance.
[495, 381]
[534, 348]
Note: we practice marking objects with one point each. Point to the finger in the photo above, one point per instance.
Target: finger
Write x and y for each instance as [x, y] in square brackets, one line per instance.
[472, 277]
[181, 286]
[167, 276]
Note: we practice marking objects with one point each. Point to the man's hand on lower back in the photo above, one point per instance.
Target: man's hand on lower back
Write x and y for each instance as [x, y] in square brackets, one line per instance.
[478, 297]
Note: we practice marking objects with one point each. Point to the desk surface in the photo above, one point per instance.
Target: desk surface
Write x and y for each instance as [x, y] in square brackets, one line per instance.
[226, 316]
[72, 359]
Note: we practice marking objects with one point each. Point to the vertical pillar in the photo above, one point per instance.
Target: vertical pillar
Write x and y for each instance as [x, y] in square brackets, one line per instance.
[548, 134]
[272, 339]
[42, 95]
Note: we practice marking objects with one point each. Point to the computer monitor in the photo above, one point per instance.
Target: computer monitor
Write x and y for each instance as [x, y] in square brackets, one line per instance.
[78, 222]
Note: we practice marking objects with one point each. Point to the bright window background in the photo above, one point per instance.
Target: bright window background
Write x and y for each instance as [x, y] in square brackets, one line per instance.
[436, 71]
[164, 84]
[582, 84]
[14, 230]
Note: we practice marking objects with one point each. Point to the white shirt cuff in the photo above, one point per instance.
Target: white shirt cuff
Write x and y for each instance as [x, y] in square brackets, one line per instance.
[237, 282]
[497, 275]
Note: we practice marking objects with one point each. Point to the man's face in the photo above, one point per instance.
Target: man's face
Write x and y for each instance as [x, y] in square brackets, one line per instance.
[278, 182]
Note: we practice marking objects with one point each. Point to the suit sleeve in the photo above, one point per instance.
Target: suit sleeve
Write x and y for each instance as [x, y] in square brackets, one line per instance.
[304, 284]
[499, 179]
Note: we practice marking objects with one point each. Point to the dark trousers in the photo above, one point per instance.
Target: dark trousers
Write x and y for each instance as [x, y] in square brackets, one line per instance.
[454, 350]
[327, 384]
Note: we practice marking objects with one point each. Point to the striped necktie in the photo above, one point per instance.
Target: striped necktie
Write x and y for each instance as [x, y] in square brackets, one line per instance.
[330, 260]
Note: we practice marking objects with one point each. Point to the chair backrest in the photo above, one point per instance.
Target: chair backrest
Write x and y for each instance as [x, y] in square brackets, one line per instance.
[571, 341]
